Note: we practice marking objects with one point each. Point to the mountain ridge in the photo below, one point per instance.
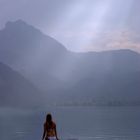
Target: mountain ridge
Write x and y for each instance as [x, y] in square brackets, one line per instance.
[59, 72]
[16, 90]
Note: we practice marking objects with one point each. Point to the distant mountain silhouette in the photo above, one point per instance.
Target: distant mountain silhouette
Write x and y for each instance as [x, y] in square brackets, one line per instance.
[17, 91]
[29, 51]
[64, 75]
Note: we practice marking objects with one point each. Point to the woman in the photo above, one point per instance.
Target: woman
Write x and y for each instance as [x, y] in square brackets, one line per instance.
[50, 132]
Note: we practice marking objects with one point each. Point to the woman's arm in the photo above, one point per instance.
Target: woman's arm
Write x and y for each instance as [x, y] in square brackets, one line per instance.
[56, 133]
[44, 132]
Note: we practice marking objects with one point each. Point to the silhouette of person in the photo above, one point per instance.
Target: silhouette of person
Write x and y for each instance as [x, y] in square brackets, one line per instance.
[50, 132]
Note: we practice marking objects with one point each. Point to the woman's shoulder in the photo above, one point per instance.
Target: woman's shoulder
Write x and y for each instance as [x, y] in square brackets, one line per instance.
[45, 124]
[54, 124]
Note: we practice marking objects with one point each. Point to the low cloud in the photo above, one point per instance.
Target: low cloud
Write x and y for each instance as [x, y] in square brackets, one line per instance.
[113, 40]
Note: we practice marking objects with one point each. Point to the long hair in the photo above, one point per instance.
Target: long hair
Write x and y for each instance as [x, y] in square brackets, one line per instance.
[49, 119]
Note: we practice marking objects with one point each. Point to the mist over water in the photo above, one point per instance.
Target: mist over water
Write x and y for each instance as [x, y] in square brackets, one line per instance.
[80, 123]
[76, 59]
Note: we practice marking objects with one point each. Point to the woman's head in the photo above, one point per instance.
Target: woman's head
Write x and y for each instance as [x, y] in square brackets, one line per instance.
[49, 118]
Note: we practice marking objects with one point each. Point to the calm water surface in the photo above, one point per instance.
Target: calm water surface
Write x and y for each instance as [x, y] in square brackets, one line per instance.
[80, 123]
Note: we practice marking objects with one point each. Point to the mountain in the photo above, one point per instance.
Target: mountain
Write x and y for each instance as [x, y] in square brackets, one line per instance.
[29, 51]
[15, 90]
[64, 75]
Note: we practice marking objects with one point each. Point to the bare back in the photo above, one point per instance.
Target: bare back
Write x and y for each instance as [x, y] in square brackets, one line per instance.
[50, 129]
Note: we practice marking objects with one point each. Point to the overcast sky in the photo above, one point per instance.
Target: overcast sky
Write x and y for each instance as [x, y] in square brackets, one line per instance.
[80, 25]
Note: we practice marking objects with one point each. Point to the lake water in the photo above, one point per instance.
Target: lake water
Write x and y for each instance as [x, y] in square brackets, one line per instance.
[80, 123]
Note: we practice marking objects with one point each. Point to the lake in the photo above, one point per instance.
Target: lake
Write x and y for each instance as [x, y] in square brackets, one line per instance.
[79, 123]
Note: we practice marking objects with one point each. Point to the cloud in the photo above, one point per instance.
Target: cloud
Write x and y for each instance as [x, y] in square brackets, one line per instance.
[113, 40]
[79, 24]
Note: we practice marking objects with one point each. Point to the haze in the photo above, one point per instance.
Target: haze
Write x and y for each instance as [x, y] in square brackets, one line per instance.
[80, 25]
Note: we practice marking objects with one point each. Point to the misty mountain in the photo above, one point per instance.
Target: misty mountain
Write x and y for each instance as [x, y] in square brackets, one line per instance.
[17, 91]
[108, 75]
[27, 50]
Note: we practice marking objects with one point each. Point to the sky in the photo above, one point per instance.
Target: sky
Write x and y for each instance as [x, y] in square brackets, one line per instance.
[80, 25]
